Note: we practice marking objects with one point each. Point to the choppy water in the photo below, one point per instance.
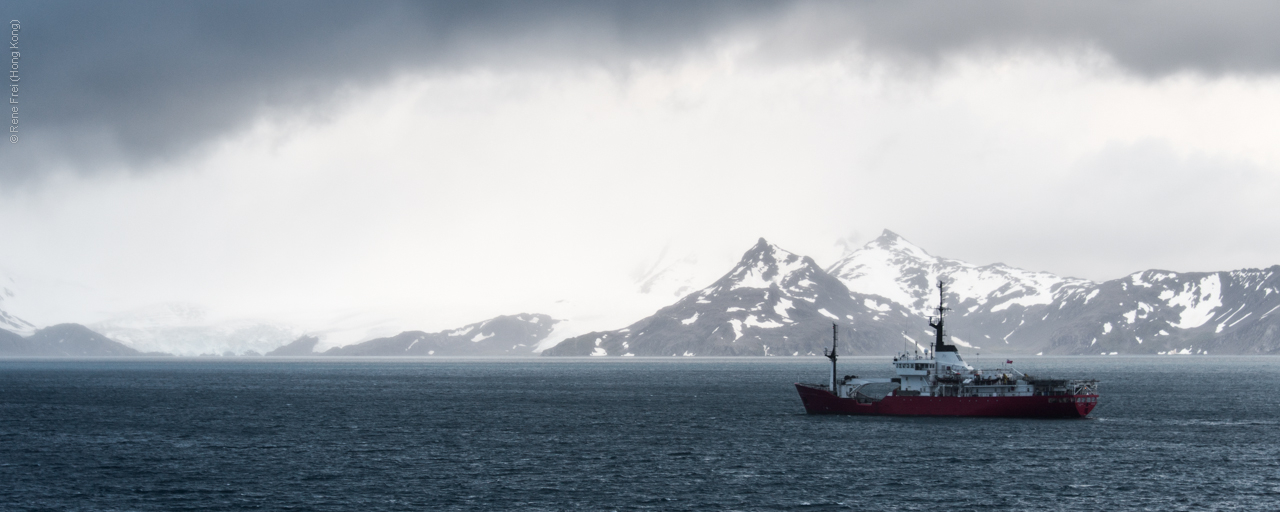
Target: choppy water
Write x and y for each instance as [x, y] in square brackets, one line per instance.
[1169, 434]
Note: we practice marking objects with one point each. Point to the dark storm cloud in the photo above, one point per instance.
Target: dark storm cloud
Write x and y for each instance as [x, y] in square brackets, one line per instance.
[143, 82]
[1148, 38]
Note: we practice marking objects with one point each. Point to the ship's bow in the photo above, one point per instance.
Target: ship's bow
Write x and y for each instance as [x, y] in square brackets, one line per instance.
[818, 400]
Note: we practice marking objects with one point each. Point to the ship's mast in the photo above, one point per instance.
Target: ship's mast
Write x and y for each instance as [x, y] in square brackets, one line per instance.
[942, 311]
[832, 356]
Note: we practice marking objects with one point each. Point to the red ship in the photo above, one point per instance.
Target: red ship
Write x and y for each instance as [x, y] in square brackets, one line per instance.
[940, 383]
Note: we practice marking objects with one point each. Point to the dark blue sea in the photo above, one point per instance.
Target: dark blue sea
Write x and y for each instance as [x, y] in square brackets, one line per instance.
[1170, 433]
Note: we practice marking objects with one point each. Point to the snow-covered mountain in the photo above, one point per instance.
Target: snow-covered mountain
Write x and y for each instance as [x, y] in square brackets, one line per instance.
[990, 303]
[507, 335]
[1007, 309]
[773, 302]
[777, 303]
[893, 268]
[1163, 312]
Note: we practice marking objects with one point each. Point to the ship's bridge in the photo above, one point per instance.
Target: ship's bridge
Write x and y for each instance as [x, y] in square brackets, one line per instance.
[950, 362]
[918, 374]
[944, 363]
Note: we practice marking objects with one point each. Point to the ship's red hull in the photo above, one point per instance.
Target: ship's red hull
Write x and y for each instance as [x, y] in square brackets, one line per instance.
[821, 401]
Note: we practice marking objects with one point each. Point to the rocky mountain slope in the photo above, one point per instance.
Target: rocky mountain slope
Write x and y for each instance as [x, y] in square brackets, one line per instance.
[62, 340]
[777, 303]
[303, 346]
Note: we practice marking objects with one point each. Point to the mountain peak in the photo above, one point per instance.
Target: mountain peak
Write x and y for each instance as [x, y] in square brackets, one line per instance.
[762, 266]
[763, 250]
[888, 236]
[894, 242]
[773, 302]
[761, 245]
[893, 268]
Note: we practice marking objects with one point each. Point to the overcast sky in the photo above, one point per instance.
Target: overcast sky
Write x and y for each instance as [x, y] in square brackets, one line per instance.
[446, 162]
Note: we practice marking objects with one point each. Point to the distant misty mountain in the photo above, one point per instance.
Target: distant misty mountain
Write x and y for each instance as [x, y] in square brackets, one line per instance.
[508, 335]
[187, 330]
[668, 276]
[63, 340]
[777, 303]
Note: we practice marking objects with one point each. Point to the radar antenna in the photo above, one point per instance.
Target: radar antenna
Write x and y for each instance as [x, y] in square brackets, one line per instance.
[937, 325]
